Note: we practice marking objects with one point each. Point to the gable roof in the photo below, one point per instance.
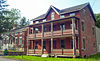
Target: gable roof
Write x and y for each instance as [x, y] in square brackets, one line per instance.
[63, 11]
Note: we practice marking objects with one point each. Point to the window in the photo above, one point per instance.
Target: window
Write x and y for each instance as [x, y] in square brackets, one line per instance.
[36, 45]
[20, 40]
[62, 16]
[52, 15]
[31, 31]
[11, 41]
[62, 26]
[62, 43]
[84, 12]
[54, 43]
[84, 43]
[44, 44]
[82, 24]
[72, 14]
[45, 29]
[93, 30]
[54, 28]
[36, 30]
[44, 20]
[71, 25]
[71, 44]
[37, 22]
[15, 40]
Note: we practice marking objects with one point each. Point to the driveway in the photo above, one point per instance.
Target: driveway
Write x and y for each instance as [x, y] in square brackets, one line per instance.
[7, 59]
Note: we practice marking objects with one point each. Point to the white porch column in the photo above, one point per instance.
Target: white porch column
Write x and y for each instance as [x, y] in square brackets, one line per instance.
[42, 39]
[51, 37]
[73, 37]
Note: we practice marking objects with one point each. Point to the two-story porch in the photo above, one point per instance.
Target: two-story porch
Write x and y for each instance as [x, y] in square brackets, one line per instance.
[56, 37]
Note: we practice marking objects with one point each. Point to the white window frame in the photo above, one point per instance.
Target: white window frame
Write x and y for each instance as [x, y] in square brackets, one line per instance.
[52, 15]
[20, 38]
[83, 43]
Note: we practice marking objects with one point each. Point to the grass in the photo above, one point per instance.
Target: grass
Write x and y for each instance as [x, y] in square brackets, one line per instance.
[95, 57]
[14, 51]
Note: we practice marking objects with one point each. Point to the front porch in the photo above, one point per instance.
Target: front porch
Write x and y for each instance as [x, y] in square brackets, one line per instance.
[59, 47]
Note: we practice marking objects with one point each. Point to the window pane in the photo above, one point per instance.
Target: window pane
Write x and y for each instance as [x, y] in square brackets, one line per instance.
[62, 44]
[52, 15]
[82, 26]
[72, 14]
[62, 16]
[54, 28]
[36, 30]
[20, 41]
[31, 31]
[44, 44]
[93, 30]
[36, 45]
[54, 44]
[84, 43]
[71, 44]
[62, 26]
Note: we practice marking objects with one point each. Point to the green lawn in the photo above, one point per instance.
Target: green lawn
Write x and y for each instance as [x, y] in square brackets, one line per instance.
[95, 57]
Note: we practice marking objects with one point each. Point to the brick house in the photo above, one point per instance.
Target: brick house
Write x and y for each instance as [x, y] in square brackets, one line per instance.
[13, 39]
[68, 32]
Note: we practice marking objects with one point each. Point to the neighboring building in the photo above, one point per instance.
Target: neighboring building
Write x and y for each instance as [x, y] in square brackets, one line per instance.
[98, 38]
[15, 39]
[68, 32]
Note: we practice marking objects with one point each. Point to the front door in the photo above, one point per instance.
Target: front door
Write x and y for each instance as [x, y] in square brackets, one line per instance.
[49, 51]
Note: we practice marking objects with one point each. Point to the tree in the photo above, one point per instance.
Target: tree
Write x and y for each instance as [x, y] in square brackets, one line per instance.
[23, 22]
[97, 20]
[7, 17]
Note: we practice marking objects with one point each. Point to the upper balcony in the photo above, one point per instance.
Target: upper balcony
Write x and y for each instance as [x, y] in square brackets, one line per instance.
[62, 28]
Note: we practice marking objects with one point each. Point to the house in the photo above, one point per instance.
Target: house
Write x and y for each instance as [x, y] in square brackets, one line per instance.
[98, 38]
[13, 39]
[68, 32]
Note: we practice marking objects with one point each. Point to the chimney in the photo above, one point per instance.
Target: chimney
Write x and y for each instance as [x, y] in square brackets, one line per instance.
[14, 26]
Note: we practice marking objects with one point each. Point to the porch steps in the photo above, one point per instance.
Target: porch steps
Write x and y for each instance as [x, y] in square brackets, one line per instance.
[45, 55]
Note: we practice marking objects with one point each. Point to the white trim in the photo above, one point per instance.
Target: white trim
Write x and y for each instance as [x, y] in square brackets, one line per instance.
[55, 10]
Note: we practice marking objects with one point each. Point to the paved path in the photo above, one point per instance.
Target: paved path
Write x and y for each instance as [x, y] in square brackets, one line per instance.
[7, 59]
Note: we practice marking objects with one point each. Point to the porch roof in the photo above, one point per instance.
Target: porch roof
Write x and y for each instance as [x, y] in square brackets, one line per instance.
[69, 17]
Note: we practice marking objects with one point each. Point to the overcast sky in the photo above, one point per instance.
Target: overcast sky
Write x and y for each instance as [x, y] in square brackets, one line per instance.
[33, 8]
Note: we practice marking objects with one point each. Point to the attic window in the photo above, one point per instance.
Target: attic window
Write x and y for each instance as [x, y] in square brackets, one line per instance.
[72, 14]
[44, 20]
[37, 22]
[52, 15]
[62, 16]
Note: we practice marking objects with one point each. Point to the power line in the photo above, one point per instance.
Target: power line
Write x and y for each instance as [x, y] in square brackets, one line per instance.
[93, 3]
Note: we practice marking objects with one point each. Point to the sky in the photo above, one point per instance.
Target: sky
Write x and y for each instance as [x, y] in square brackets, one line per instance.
[33, 8]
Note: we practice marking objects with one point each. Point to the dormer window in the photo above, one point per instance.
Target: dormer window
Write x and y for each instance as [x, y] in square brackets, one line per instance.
[62, 16]
[44, 20]
[52, 15]
[72, 14]
[37, 22]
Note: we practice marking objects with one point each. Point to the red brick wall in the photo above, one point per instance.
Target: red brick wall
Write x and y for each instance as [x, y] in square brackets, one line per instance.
[90, 39]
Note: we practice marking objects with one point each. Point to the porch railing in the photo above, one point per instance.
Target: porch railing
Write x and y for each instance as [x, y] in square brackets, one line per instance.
[55, 33]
